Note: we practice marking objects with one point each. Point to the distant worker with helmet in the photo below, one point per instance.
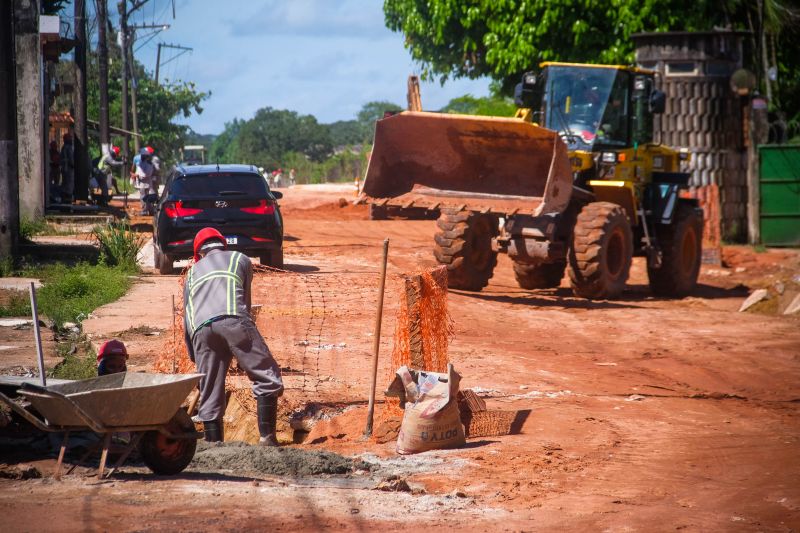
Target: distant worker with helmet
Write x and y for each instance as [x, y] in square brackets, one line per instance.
[218, 326]
[112, 358]
[106, 165]
[143, 177]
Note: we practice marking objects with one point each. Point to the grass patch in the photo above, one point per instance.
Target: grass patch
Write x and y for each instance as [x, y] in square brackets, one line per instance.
[759, 248]
[18, 304]
[6, 267]
[119, 246]
[80, 360]
[70, 293]
[28, 228]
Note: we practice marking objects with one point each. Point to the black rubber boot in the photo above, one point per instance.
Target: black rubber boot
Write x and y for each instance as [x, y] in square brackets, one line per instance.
[214, 431]
[267, 416]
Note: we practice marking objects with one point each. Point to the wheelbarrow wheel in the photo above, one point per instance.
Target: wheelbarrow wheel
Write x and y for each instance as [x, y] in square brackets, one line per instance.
[167, 456]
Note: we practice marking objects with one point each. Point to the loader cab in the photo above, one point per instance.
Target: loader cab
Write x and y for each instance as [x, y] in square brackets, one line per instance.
[595, 108]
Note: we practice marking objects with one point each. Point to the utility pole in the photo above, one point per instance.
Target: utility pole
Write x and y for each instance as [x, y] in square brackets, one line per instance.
[174, 46]
[9, 180]
[102, 56]
[158, 61]
[122, 7]
[132, 63]
[81, 137]
[134, 109]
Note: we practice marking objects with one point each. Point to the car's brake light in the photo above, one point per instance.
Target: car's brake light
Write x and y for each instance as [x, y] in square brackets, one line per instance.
[179, 243]
[264, 207]
[261, 239]
[177, 210]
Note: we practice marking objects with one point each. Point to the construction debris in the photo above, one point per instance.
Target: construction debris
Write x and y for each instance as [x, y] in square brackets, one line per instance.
[755, 297]
[793, 307]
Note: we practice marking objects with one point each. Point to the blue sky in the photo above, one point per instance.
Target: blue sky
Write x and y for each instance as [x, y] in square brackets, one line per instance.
[320, 57]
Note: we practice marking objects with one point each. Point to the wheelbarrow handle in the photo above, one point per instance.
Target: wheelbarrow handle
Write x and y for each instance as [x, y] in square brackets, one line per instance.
[93, 424]
[24, 413]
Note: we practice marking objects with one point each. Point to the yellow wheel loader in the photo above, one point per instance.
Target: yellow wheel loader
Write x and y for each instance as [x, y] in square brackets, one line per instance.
[575, 181]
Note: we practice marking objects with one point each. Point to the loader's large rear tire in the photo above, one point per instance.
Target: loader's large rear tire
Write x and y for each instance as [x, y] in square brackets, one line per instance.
[464, 244]
[543, 276]
[602, 251]
[681, 252]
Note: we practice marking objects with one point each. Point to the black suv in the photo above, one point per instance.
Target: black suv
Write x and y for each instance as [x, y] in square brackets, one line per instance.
[234, 199]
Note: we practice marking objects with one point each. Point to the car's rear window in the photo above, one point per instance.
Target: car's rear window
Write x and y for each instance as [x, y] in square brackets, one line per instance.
[219, 184]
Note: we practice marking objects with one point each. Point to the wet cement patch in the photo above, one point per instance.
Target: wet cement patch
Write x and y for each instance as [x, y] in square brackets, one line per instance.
[282, 461]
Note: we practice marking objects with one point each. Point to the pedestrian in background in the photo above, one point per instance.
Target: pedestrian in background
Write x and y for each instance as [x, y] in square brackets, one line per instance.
[67, 160]
[144, 178]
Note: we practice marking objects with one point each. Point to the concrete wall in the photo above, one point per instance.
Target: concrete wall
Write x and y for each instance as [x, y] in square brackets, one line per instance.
[30, 112]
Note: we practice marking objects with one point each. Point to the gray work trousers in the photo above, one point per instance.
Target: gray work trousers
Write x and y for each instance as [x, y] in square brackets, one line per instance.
[214, 345]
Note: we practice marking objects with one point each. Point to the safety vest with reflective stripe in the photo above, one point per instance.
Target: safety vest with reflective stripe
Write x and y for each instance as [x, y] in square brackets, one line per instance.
[218, 285]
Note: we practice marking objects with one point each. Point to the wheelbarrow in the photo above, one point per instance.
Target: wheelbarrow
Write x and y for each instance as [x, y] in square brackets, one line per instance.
[147, 406]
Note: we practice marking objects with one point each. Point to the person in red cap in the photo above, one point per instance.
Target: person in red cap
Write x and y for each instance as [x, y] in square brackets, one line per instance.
[218, 326]
[112, 358]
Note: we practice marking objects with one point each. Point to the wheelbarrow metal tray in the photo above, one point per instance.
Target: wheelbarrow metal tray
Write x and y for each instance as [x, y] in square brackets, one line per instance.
[127, 399]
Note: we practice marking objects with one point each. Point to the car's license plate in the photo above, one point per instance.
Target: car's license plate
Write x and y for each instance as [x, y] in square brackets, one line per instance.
[231, 240]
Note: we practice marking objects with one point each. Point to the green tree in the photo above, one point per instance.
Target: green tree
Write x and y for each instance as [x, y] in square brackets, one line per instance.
[223, 149]
[495, 106]
[504, 38]
[344, 132]
[158, 105]
[372, 111]
[271, 133]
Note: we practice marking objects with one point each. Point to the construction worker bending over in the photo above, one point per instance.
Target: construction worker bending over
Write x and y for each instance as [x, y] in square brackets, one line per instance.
[218, 327]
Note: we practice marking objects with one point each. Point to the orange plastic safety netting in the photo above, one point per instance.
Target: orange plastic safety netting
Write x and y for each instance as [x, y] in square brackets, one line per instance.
[319, 327]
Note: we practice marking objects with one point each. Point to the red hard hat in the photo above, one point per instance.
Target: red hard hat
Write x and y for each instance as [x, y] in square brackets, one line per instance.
[115, 149]
[205, 234]
[112, 347]
[149, 149]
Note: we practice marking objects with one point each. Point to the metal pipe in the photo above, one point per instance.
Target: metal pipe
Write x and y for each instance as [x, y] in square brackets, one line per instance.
[377, 342]
[38, 336]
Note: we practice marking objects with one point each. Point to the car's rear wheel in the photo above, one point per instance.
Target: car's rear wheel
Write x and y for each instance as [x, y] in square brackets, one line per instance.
[272, 258]
[163, 262]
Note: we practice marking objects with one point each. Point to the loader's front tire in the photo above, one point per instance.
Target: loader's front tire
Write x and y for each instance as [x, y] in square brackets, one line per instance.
[464, 244]
[542, 276]
[601, 252]
[681, 252]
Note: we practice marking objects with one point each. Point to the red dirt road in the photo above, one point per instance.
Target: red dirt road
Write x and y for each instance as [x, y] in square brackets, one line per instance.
[645, 414]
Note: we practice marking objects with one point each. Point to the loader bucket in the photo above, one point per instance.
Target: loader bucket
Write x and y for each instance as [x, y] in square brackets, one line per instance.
[484, 164]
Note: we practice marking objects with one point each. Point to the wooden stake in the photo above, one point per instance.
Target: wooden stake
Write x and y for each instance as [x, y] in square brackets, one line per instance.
[174, 341]
[377, 342]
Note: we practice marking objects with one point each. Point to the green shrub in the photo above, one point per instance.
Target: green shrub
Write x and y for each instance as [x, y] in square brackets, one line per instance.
[80, 360]
[119, 246]
[28, 228]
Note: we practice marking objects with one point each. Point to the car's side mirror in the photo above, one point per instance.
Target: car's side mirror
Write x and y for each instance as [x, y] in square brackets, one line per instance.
[150, 198]
[658, 101]
[276, 194]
